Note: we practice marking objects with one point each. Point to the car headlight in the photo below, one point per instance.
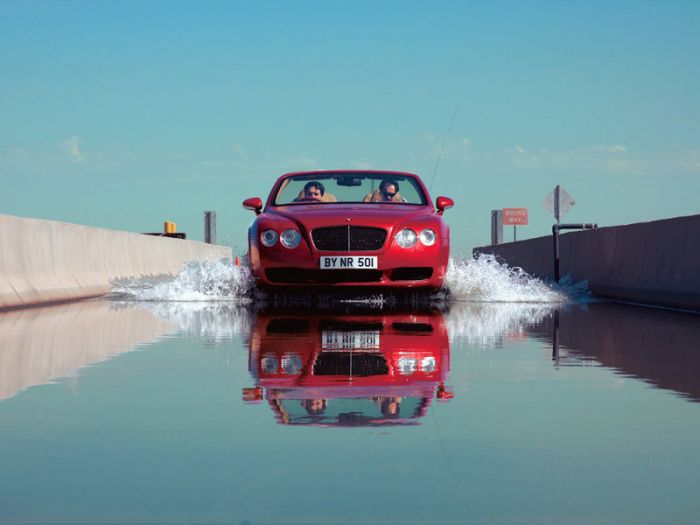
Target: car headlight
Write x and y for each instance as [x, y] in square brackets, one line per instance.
[407, 365]
[269, 238]
[269, 364]
[427, 237]
[406, 238]
[290, 238]
[428, 364]
[291, 364]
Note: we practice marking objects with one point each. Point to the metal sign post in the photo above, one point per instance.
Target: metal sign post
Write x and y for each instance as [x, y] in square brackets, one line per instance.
[496, 227]
[210, 227]
[555, 241]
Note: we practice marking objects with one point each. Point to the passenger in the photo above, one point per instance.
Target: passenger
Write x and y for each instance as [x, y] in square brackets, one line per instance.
[388, 191]
[389, 406]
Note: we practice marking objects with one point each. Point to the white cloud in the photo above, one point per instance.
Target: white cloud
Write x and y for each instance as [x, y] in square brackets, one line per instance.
[519, 149]
[617, 148]
[71, 147]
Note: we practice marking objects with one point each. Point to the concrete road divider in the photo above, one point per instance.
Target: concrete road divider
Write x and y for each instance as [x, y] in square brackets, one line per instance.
[655, 263]
[47, 261]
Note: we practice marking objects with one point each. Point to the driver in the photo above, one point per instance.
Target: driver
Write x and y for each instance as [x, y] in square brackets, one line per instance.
[313, 190]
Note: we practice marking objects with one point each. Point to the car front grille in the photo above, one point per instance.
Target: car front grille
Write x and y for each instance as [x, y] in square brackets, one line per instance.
[348, 238]
[358, 364]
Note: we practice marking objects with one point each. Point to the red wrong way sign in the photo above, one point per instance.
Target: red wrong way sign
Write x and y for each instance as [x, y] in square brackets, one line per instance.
[515, 216]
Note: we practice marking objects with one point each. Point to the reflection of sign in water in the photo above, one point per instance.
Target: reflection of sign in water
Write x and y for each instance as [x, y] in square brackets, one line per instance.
[332, 340]
[515, 216]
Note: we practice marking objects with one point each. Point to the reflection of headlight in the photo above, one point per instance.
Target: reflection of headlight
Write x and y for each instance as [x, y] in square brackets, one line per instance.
[291, 364]
[269, 365]
[427, 237]
[406, 238]
[407, 365]
[269, 238]
[290, 238]
[428, 364]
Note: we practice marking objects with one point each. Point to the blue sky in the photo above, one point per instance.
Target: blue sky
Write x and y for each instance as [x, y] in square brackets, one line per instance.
[126, 114]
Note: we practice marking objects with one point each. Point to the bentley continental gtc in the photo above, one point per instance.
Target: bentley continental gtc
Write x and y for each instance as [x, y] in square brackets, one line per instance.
[349, 228]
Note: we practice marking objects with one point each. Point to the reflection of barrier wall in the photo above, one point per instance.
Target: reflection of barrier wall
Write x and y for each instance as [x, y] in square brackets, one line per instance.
[39, 345]
[652, 262]
[659, 347]
[47, 261]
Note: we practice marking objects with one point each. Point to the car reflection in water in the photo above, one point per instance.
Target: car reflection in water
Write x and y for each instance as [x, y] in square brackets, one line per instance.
[348, 370]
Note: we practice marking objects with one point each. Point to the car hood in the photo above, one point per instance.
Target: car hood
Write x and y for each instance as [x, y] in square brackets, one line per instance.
[380, 215]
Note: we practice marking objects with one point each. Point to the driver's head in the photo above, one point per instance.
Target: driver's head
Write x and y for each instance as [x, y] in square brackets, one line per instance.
[389, 189]
[314, 406]
[314, 190]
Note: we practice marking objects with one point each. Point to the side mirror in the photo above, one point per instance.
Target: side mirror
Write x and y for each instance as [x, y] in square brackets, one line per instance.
[443, 203]
[254, 204]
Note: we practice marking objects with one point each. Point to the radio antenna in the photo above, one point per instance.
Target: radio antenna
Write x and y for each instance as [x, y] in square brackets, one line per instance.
[442, 149]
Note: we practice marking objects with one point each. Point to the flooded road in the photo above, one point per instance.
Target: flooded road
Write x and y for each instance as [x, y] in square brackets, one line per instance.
[157, 412]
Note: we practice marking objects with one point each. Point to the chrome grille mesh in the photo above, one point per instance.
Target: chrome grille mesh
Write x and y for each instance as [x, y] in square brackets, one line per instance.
[348, 238]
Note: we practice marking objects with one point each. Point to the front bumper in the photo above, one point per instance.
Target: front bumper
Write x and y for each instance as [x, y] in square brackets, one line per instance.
[419, 267]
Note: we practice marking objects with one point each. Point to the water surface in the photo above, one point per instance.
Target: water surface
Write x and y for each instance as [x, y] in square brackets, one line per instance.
[130, 412]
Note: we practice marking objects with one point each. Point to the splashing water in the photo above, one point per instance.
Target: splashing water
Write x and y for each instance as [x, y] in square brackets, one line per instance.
[481, 279]
[486, 325]
[484, 279]
[197, 281]
[213, 321]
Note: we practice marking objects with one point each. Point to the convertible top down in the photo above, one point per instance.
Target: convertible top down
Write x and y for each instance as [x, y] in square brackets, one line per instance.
[349, 228]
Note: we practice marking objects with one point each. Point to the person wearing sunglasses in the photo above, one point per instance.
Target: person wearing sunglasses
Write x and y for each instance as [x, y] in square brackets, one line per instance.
[388, 191]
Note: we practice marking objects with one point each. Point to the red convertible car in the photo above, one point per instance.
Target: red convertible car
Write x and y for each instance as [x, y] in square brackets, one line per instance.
[347, 229]
[348, 370]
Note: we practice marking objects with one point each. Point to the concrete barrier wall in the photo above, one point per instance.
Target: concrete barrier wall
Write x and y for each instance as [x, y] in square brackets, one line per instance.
[47, 261]
[654, 262]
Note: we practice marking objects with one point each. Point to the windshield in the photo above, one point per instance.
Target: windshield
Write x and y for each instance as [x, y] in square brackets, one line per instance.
[331, 188]
[351, 412]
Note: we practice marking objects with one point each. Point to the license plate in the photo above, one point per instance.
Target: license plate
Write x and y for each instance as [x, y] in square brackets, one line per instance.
[336, 340]
[346, 262]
